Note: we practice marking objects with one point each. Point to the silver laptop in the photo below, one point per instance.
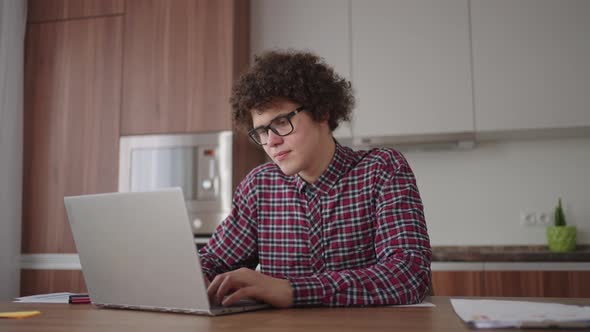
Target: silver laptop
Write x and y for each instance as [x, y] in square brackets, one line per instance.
[137, 252]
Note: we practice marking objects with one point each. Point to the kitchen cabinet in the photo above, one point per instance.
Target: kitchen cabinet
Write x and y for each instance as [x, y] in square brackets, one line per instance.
[531, 64]
[537, 283]
[458, 283]
[427, 71]
[52, 10]
[409, 61]
[35, 282]
[514, 283]
[320, 26]
[71, 123]
[180, 60]
[411, 67]
[71, 133]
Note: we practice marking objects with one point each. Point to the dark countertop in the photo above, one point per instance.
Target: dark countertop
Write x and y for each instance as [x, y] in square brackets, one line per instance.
[536, 253]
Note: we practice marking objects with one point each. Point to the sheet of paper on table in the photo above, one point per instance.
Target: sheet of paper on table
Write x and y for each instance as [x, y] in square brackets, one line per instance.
[45, 298]
[427, 303]
[504, 314]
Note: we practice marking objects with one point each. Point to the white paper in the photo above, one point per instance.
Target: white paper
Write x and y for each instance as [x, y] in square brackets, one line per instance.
[499, 314]
[426, 304]
[45, 298]
[423, 304]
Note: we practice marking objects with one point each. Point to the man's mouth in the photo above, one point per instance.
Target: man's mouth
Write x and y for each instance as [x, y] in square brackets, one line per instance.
[281, 155]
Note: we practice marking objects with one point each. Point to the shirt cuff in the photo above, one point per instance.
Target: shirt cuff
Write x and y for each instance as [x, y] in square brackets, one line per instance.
[207, 273]
[308, 290]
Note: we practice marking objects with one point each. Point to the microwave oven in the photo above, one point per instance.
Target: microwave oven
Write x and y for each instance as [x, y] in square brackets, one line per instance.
[200, 164]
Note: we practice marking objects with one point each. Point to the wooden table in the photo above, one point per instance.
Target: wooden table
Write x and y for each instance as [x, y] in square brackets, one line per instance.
[85, 317]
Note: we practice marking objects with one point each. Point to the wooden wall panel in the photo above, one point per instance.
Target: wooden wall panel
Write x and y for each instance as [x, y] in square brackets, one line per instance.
[555, 283]
[513, 283]
[538, 283]
[246, 154]
[241, 36]
[71, 124]
[51, 10]
[579, 284]
[51, 281]
[178, 66]
[458, 283]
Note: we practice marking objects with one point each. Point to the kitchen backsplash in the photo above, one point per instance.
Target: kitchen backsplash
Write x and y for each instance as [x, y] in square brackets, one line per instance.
[476, 196]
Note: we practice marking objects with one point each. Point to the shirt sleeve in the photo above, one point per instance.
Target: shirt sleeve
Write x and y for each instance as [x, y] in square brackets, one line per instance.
[234, 243]
[401, 274]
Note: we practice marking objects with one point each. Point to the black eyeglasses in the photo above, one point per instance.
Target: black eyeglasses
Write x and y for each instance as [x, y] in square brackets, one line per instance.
[280, 125]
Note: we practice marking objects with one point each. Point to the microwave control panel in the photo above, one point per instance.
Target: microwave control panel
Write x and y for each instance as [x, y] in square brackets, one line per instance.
[207, 173]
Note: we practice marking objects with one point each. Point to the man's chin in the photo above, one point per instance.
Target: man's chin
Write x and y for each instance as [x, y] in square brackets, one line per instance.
[288, 171]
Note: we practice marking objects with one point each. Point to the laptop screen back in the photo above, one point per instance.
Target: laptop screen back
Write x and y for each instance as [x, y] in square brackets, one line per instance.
[137, 249]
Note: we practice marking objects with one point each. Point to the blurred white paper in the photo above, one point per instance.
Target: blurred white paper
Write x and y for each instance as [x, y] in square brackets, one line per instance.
[501, 314]
[45, 298]
[426, 304]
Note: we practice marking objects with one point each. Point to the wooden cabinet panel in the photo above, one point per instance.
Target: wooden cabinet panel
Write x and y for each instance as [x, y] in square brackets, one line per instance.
[537, 283]
[513, 283]
[579, 285]
[71, 123]
[458, 283]
[51, 281]
[50, 10]
[179, 64]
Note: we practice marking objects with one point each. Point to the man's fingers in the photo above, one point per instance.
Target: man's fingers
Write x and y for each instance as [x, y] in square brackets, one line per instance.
[207, 282]
[225, 287]
[213, 286]
[239, 294]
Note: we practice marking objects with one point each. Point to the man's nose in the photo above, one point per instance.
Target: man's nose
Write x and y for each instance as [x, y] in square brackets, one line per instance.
[274, 139]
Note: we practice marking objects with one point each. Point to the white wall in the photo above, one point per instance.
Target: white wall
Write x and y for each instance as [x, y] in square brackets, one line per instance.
[12, 27]
[471, 197]
[474, 197]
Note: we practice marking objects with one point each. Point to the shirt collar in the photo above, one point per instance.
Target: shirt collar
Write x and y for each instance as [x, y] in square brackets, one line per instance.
[336, 169]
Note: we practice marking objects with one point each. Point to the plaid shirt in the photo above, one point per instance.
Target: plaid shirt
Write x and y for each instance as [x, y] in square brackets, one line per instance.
[357, 236]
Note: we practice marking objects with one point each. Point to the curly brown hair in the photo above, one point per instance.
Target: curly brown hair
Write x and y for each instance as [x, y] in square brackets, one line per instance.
[301, 77]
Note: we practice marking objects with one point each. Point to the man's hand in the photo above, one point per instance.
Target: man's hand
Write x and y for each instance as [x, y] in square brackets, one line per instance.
[246, 283]
[207, 282]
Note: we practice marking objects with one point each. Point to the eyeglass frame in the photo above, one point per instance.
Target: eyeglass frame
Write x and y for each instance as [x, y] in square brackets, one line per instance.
[288, 116]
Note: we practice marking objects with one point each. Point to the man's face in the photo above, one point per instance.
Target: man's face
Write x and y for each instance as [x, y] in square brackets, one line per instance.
[294, 152]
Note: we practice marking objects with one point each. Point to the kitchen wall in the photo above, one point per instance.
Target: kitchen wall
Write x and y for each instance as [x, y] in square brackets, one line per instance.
[475, 197]
[12, 27]
[390, 50]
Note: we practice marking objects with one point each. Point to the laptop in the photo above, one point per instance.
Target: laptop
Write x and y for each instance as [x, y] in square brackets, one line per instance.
[137, 252]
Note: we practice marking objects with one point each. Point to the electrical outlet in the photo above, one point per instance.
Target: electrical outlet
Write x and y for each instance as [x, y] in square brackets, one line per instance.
[535, 218]
[528, 218]
[544, 219]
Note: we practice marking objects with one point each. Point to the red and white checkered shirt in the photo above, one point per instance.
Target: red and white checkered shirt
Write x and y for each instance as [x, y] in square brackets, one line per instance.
[357, 236]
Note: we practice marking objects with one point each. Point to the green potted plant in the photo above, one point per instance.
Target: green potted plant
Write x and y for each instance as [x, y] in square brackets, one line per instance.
[560, 237]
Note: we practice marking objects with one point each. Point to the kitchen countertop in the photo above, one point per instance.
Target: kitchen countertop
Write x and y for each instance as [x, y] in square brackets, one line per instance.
[537, 253]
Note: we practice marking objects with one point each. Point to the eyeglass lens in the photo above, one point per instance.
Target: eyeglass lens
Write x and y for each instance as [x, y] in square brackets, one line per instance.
[281, 126]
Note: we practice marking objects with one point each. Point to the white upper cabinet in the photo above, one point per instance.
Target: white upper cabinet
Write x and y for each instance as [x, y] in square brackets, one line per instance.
[531, 64]
[320, 26]
[411, 67]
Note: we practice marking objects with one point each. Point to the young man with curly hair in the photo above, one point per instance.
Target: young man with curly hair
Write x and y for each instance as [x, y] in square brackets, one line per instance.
[328, 225]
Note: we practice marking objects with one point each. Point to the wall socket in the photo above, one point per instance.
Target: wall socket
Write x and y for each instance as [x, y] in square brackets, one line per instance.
[536, 218]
